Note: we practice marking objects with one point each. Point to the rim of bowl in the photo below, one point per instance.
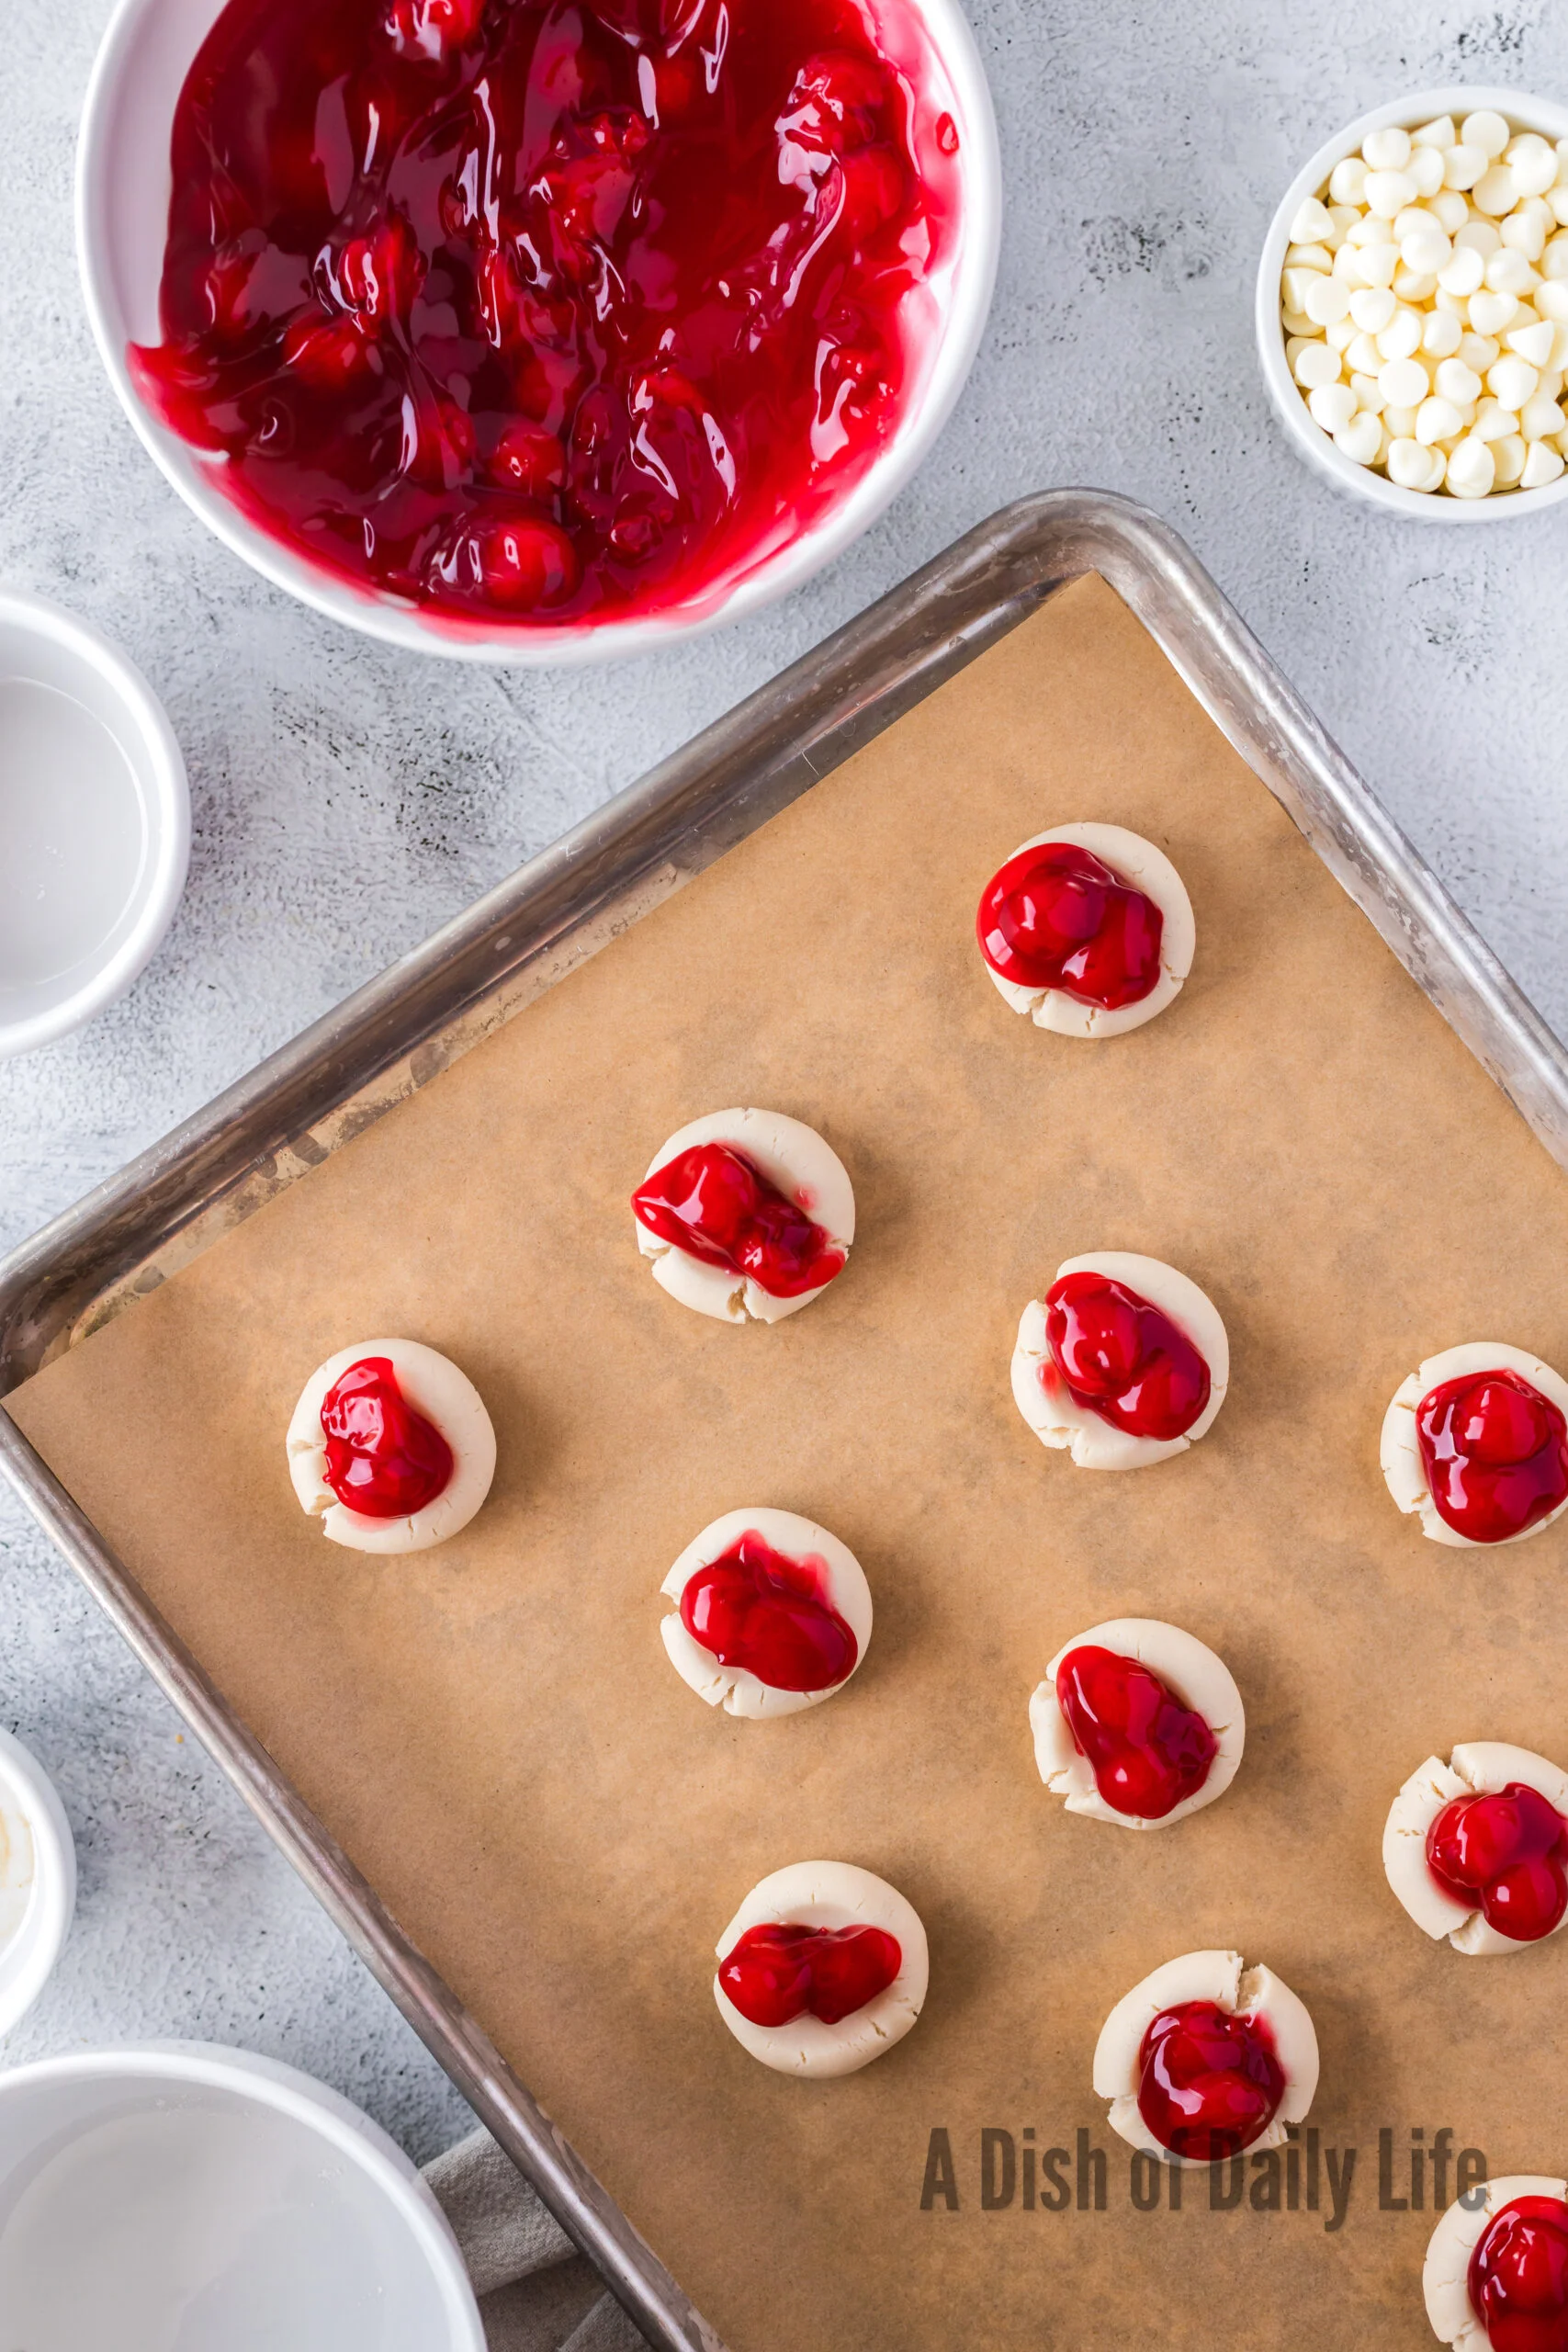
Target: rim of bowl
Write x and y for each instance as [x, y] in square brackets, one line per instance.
[1545, 115]
[268, 2081]
[160, 776]
[46, 1922]
[538, 646]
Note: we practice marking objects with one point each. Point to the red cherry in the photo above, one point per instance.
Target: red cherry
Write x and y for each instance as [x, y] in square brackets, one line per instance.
[1495, 1454]
[327, 354]
[522, 563]
[529, 459]
[1518, 2276]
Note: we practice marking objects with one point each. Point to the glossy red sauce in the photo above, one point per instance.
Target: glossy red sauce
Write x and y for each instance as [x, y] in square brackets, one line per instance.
[756, 1609]
[1123, 1359]
[1148, 1751]
[384, 1459]
[1518, 2276]
[1210, 2081]
[775, 1974]
[1507, 1856]
[1495, 1454]
[1058, 917]
[712, 1202]
[546, 309]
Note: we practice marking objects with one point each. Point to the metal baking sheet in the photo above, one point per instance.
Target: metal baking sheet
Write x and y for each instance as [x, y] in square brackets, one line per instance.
[398, 1032]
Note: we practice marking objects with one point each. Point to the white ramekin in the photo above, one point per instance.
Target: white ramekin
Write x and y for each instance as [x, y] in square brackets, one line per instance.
[122, 204]
[1310, 440]
[28, 1958]
[401, 2261]
[69, 864]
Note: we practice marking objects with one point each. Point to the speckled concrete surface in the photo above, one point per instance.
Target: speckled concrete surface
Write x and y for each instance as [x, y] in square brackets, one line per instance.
[347, 801]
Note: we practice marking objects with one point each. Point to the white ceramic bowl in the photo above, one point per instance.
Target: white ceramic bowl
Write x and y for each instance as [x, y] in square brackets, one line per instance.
[95, 822]
[45, 1882]
[178, 2194]
[1312, 443]
[122, 204]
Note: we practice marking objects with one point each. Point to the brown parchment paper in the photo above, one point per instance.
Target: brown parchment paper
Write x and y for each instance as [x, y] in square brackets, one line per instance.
[493, 1731]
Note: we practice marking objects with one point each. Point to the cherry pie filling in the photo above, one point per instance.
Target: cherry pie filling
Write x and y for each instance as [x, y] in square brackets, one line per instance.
[384, 1459]
[1210, 2081]
[1507, 1856]
[715, 1204]
[772, 1616]
[546, 310]
[1149, 1753]
[775, 1974]
[1495, 1454]
[1123, 1359]
[1518, 2276]
[1058, 917]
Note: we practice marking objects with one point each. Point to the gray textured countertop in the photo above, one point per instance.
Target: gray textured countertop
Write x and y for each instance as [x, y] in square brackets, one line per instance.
[346, 801]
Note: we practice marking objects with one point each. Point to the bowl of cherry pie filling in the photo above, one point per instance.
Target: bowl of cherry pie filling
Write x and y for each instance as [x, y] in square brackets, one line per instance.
[537, 330]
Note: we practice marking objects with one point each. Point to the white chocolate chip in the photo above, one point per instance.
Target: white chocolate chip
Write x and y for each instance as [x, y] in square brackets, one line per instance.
[1409, 464]
[1463, 166]
[1513, 381]
[1464, 272]
[1440, 133]
[1542, 465]
[1533, 161]
[1508, 454]
[1361, 440]
[1310, 224]
[1387, 150]
[1508, 272]
[1541, 419]
[1347, 182]
[1401, 337]
[1388, 192]
[1484, 236]
[1317, 365]
[1495, 191]
[1333, 406]
[1456, 382]
[1472, 469]
[1491, 313]
[1404, 382]
[1437, 420]
[1327, 299]
[1441, 334]
[1372, 307]
[1486, 131]
[1495, 422]
[1535, 343]
[1425, 168]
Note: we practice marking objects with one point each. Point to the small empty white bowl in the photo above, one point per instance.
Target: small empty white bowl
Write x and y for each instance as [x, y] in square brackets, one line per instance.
[178, 2194]
[123, 180]
[95, 822]
[1524, 113]
[38, 1880]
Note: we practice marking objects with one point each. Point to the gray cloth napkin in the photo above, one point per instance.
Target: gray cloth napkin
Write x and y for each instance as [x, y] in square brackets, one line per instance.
[537, 2294]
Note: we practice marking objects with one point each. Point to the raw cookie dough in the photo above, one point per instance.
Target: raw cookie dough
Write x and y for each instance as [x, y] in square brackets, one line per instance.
[1444, 2274]
[1130, 859]
[444, 1395]
[1400, 1449]
[1477, 1768]
[734, 1688]
[1219, 1977]
[830, 1895]
[1191, 1672]
[1054, 1415]
[795, 1159]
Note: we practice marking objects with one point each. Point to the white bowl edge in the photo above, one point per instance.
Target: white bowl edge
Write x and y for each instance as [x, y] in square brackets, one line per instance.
[269, 2082]
[28, 1962]
[573, 645]
[1308, 438]
[160, 770]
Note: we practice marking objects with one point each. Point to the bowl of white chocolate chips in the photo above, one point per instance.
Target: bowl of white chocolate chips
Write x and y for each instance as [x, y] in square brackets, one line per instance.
[1413, 306]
